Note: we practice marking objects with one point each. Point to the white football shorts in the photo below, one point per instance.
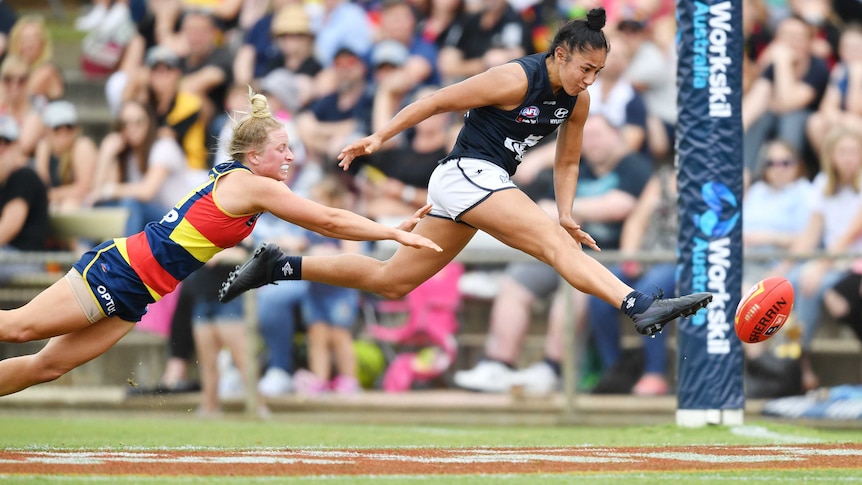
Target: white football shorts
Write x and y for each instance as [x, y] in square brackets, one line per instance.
[463, 183]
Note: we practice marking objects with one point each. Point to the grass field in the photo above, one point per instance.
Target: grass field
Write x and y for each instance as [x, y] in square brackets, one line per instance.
[63, 435]
[117, 430]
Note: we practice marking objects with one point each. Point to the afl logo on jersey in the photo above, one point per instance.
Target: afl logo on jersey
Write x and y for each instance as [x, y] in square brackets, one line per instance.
[528, 115]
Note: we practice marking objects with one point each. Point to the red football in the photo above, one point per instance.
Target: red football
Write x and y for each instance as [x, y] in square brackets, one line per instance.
[763, 309]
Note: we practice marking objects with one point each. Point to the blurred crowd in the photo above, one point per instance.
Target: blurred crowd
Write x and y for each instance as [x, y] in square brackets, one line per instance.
[177, 72]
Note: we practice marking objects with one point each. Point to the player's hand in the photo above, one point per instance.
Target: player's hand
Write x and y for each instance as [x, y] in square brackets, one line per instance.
[416, 241]
[363, 146]
[578, 234]
[410, 223]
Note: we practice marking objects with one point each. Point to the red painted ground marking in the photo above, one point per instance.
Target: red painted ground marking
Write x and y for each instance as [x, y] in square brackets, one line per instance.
[299, 462]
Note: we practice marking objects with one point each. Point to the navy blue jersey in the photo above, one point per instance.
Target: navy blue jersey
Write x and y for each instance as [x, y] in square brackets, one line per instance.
[502, 137]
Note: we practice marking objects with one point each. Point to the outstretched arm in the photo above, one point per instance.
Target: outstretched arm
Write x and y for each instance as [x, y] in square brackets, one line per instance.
[244, 193]
[503, 86]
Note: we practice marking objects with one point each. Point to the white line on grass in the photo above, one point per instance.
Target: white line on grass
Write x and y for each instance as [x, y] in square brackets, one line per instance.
[766, 434]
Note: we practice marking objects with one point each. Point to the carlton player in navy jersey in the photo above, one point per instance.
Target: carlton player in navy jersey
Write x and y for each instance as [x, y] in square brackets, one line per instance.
[105, 293]
[509, 109]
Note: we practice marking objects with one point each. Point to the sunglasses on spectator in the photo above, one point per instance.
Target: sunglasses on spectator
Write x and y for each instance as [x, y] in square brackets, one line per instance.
[10, 79]
[65, 126]
[781, 163]
[5, 141]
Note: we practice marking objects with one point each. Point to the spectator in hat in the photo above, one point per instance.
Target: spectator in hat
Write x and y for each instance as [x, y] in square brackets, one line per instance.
[294, 61]
[333, 119]
[186, 40]
[387, 81]
[291, 31]
[288, 89]
[258, 51]
[24, 222]
[65, 158]
[387, 60]
[389, 53]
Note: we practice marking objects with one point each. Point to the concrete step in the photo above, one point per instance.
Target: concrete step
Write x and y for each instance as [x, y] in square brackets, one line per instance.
[88, 95]
[86, 90]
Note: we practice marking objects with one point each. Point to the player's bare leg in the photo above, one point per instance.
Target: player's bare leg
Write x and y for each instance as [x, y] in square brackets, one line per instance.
[53, 312]
[511, 217]
[400, 274]
[61, 354]
[393, 278]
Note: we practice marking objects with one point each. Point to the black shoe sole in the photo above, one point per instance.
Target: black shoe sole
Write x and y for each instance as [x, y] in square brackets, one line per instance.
[656, 328]
[231, 278]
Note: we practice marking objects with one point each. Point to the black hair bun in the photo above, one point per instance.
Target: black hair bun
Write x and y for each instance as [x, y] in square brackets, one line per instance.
[597, 18]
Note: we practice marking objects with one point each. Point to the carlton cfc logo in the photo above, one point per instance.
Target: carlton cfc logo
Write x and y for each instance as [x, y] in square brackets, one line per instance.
[530, 112]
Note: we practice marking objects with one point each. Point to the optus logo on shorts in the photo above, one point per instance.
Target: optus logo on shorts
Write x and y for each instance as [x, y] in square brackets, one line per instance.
[110, 306]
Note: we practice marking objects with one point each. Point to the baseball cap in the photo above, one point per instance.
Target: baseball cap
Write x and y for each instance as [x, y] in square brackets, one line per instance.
[347, 49]
[58, 113]
[291, 19]
[8, 128]
[389, 52]
[282, 84]
[159, 54]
